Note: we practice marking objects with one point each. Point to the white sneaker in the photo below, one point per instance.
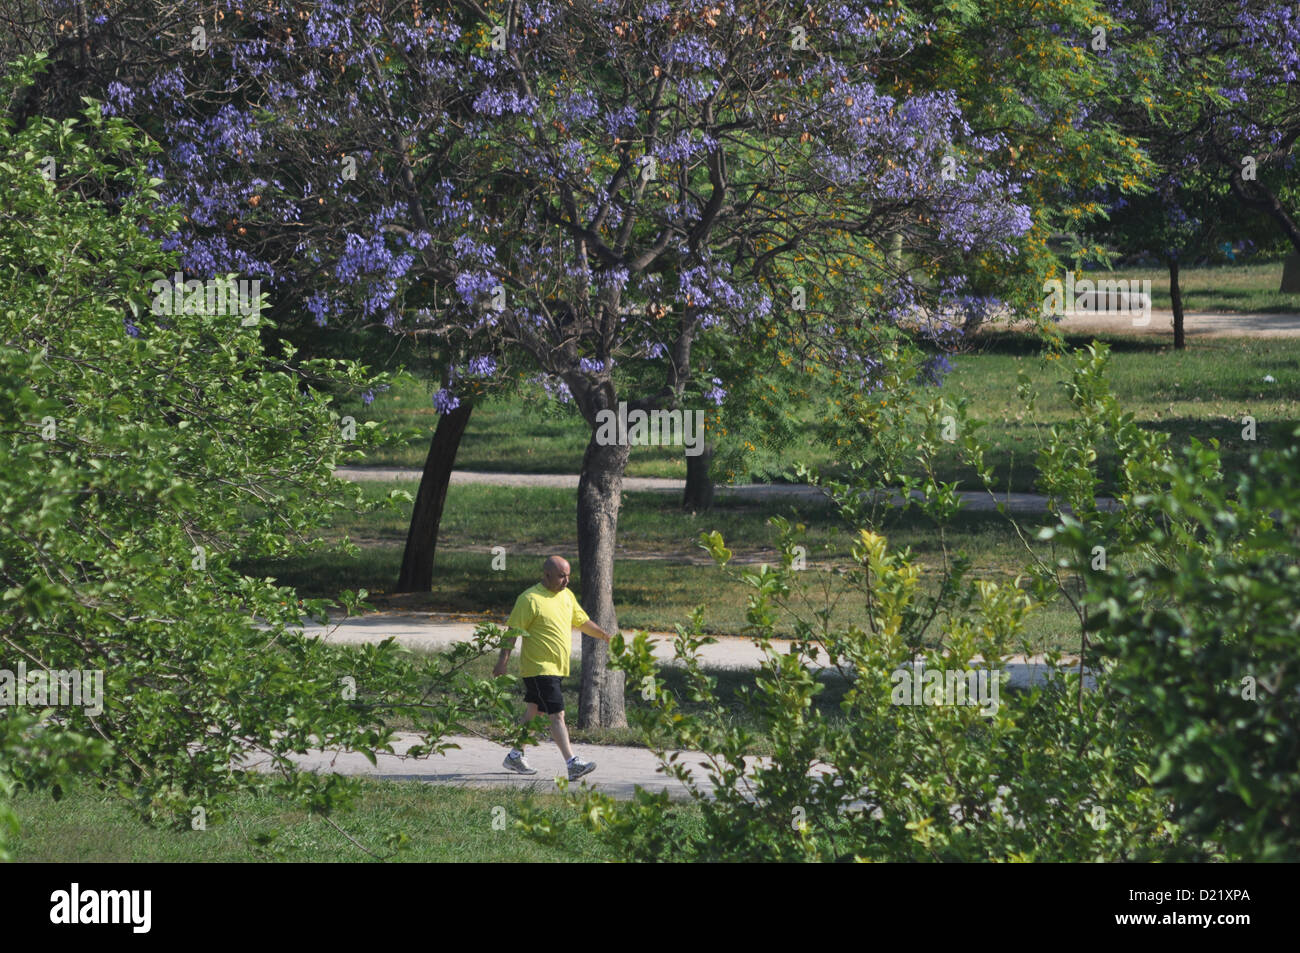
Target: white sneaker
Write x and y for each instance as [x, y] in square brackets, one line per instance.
[578, 767]
[517, 763]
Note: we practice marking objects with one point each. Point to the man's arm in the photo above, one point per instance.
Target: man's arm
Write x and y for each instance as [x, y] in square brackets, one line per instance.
[521, 618]
[507, 646]
[596, 632]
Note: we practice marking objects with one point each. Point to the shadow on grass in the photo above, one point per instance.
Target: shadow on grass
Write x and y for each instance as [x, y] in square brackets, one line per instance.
[1022, 344]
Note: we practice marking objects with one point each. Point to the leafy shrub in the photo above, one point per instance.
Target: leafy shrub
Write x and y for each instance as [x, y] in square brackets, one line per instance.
[1159, 762]
[143, 457]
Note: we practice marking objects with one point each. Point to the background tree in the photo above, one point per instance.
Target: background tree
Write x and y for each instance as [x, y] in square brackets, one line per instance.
[1186, 216]
[1044, 81]
[308, 144]
[1226, 84]
[1038, 79]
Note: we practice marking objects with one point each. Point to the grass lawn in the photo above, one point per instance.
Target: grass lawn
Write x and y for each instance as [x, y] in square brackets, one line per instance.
[1224, 288]
[1201, 392]
[660, 575]
[444, 824]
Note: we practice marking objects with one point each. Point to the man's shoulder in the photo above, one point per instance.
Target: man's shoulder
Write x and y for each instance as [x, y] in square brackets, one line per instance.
[523, 600]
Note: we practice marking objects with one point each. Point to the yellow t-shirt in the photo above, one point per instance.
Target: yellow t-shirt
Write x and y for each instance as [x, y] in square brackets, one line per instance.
[546, 621]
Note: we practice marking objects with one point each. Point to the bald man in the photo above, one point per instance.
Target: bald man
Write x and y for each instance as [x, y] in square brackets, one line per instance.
[545, 616]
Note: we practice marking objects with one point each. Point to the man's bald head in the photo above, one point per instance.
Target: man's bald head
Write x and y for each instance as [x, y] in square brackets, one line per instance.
[555, 573]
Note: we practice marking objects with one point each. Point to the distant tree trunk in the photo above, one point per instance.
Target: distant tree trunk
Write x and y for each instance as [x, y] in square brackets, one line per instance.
[1176, 295]
[422, 537]
[1291, 274]
[1263, 199]
[600, 491]
[699, 485]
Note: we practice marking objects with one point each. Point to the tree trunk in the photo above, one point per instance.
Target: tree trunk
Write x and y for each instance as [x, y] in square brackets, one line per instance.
[1176, 296]
[1270, 203]
[699, 485]
[422, 537]
[600, 493]
[1290, 275]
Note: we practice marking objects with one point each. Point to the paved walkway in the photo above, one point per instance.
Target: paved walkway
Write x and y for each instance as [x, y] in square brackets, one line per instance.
[431, 631]
[974, 500]
[1196, 324]
[476, 762]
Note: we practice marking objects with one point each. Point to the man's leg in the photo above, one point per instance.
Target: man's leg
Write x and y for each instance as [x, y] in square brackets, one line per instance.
[577, 768]
[530, 713]
[560, 735]
[515, 759]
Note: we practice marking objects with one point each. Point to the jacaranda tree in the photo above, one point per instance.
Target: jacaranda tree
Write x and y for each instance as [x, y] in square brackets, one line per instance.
[1038, 77]
[666, 166]
[306, 144]
[1224, 92]
[598, 189]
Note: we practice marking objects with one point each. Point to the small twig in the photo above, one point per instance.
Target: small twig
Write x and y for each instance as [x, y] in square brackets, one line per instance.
[355, 843]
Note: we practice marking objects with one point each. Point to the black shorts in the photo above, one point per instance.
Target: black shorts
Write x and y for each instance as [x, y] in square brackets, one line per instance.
[544, 692]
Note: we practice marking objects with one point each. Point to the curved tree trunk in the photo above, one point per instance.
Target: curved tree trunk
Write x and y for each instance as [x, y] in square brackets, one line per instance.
[422, 537]
[600, 493]
[1263, 199]
[699, 485]
[1176, 296]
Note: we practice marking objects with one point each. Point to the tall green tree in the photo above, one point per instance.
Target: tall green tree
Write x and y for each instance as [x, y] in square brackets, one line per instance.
[148, 450]
[1037, 87]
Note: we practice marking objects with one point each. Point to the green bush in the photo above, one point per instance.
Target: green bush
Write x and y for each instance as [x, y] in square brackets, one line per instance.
[1206, 650]
[144, 455]
[1195, 610]
[1159, 762]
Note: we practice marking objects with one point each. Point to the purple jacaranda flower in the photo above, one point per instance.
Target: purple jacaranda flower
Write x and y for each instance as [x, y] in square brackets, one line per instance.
[555, 388]
[444, 401]
[120, 98]
[933, 370]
